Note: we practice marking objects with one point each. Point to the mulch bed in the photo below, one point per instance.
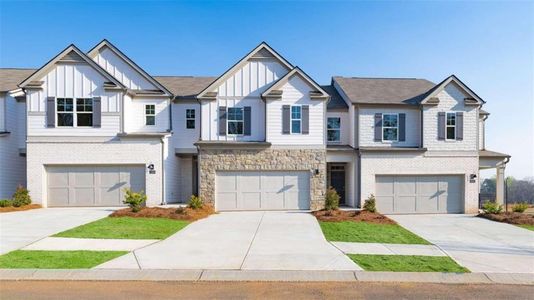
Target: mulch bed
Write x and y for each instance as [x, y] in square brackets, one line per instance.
[511, 218]
[186, 213]
[356, 216]
[25, 207]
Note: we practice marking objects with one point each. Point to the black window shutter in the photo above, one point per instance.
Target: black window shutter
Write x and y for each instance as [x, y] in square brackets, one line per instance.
[305, 119]
[247, 120]
[402, 127]
[378, 127]
[97, 112]
[286, 119]
[441, 126]
[222, 120]
[459, 126]
[50, 112]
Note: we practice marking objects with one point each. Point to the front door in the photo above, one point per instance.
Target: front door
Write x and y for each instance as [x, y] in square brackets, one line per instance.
[337, 180]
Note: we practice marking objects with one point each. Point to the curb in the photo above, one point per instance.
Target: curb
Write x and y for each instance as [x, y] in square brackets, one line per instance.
[258, 275]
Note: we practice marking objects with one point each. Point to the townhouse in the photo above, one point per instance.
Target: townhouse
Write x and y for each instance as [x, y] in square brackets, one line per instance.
[261, 136]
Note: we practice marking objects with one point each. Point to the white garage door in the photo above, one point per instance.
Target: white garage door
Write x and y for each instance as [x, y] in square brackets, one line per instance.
[419, 194]
[267, 190]
[92, 185]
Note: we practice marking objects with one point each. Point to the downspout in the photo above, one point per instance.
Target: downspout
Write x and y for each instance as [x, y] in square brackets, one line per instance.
[163, 200]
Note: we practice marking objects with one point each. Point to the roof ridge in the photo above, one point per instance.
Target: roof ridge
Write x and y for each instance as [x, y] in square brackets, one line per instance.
[393, 78]
[184, 76]
[18, 69]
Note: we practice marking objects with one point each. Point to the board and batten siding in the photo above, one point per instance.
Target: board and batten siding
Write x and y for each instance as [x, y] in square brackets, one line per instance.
[134, 117]
[73, 81]
[367, 127]
[183, 137]
[240, 89]
[451, 99]
[2, 114]
[345, 127]
[122, 71]
[13, 171]
[296, 92]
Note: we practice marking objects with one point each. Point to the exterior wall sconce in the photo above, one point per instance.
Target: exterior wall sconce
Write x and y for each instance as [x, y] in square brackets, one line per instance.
[316, 171]
[472, 178]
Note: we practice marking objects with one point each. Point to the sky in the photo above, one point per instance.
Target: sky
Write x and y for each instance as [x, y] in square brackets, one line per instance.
[488, 45]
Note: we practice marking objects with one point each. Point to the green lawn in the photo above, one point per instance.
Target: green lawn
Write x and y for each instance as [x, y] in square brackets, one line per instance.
[23, 259]
[364, 232]
[529, 227]
[126, 228]
[407, 263]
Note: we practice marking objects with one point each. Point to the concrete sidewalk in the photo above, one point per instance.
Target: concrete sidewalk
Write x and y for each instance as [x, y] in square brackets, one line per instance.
[388, 249]
[71, 244]
[249, 275]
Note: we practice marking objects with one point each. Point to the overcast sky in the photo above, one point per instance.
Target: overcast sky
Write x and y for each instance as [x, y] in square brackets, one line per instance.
[488, 45]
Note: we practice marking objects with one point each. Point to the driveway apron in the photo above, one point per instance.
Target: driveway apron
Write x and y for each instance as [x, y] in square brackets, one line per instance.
[247, 240]
[478, 244]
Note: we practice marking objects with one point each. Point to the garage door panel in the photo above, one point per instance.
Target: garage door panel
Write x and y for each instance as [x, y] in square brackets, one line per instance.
[227, 182]
[384, 203]
[427, 186]
[251, 201]
[272, 200]
[60, 196]
[405, 205]
[249, 183]
[272, 182]
[58, 178]
[405, 186]
[84, 196]
[385, 185]
[426, 204]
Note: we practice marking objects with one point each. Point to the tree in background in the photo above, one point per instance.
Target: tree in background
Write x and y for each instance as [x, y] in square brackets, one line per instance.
[518, 190]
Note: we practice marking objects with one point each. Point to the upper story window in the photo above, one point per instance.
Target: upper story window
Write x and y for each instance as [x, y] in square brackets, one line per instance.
[66, 111]
[150, 114]
[190, 118]
[333, 126]
[450, 126]
[235, 120]
[390, 127]
[296, 119]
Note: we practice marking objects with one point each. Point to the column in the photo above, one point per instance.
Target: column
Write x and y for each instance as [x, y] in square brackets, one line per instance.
[499, 185]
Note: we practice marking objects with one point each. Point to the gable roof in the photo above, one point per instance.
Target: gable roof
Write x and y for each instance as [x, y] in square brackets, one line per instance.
[263, 50]
[475, 99]
[383, 90]
[11, 77]
[107, 44]
[185, 87]
[71, 54]
[336, 101]
[273, 89]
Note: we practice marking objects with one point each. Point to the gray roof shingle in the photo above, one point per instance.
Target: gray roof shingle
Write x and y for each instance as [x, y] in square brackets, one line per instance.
[185, 87]
[384, 90]
[11, 77]
[336, 101]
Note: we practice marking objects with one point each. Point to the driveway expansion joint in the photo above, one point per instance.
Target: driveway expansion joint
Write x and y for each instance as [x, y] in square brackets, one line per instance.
[252, 242]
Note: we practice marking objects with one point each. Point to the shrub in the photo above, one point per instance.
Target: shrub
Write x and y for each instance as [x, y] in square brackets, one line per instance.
[134, 200]
[331, 199]
[180, 210]
[370, 204]
[6, 203]
[491, 208]
[520, 207]
[195, 202]
[21, 197]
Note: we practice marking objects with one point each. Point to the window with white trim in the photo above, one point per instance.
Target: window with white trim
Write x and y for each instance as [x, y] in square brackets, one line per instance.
[150, 114]
[296, 119]
[65, 112]
[84, 112]
[190, 118]
[450, 126]
[235, 121]
[70, 115]
[390, 127]
[333, 132]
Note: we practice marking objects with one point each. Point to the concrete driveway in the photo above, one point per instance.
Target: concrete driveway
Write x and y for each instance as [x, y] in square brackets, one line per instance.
[478, 244]
[19, 229]
[246, 240]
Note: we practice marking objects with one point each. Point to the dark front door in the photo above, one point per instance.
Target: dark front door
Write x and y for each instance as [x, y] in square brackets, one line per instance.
[337, 181]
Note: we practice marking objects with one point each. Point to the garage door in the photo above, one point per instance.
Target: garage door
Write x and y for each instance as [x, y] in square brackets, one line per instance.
[262, 190]
[419, 194]
[92, 185]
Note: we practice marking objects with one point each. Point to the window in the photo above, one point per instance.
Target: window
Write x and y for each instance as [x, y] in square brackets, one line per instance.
[390, 127]
[84, 112]
[235, 120]
[65, 112]
[150, 114]
[333, 126]
[450, 126]
[296, 119]
[190, 118]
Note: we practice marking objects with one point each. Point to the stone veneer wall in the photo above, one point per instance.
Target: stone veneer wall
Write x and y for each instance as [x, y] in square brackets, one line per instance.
[212, 160]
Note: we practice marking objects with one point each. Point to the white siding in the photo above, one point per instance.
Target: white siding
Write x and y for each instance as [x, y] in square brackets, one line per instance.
[296, 92]
[367, 127]
[13, 170]
[481, 133]
[345, 127]
[450, 99]
[134, 115]
[2, 114]
[183, 137]
[73, 81]
[122, 71]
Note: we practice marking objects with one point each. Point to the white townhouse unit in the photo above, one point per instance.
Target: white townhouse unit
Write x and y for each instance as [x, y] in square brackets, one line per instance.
[262, 136]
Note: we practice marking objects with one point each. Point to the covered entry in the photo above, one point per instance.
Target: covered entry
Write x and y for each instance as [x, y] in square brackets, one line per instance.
[420, 194]
[92, 185]
[264, 190]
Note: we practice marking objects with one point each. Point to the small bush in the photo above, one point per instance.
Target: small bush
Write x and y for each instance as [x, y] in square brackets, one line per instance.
[370, 204]
[331, 199]
[21, 197]
[520, 207]
[180, 210]
[6, 203]
[195, 202]
[134, 200]
[491, 208]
